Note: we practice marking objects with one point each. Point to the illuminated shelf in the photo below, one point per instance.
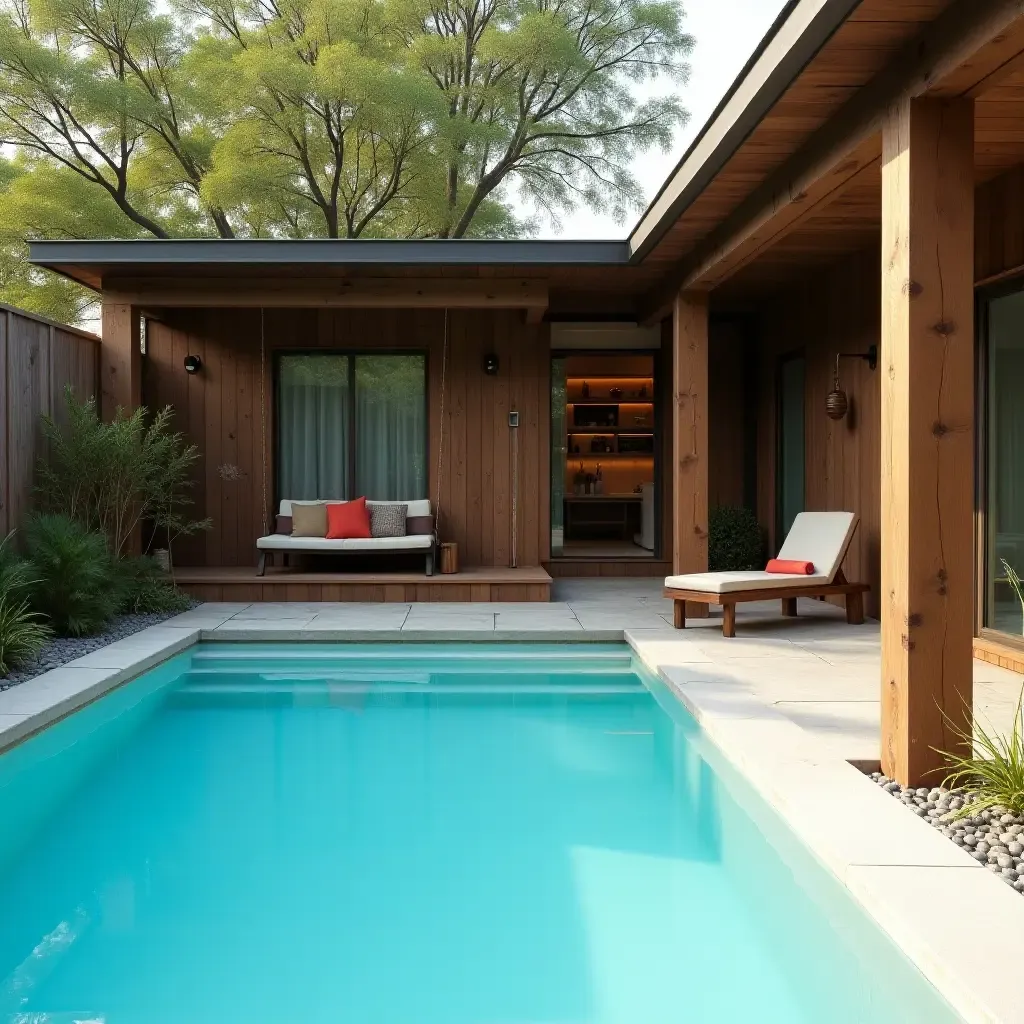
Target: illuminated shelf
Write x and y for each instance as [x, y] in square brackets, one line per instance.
[575, 456]
[602, 431]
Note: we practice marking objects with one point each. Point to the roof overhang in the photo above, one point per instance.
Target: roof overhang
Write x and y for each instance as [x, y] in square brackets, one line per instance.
[801, 30]
[92, 262]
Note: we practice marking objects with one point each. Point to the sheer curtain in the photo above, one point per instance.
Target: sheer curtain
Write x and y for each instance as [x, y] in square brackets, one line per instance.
[313, 411]
[391, 427]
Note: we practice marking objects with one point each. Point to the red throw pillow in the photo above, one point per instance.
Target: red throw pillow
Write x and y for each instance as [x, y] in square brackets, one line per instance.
[781, 565]
[348, 520]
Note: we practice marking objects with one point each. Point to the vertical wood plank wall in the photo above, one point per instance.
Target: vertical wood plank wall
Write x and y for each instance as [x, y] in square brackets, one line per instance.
[37, 360]
[837, 310]
[223, 409]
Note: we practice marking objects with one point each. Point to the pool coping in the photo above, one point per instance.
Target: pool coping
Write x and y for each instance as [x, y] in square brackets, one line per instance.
[954, 919]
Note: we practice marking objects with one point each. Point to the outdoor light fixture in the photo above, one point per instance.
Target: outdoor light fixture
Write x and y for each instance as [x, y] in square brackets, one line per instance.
[490, 364]
[837, 404]
[193, 364]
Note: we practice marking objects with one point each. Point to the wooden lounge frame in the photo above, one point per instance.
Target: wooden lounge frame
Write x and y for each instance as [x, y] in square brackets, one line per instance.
[853, 592]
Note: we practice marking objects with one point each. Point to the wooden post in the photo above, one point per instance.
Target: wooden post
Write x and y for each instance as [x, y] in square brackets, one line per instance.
[927, 434]
[120, 360]
[690, 437]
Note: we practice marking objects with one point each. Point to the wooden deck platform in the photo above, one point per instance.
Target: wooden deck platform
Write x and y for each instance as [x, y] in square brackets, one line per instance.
[240, 583]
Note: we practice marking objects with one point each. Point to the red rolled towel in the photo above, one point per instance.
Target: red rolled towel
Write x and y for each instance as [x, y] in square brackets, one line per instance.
[789, 567]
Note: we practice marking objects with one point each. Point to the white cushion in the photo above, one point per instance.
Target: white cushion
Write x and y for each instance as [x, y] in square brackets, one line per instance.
[286, 542]
[820, 538]
[730, 582]
[417, 507]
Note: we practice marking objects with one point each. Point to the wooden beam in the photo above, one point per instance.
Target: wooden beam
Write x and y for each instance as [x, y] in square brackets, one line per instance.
[120, 359]
[927, 435]
[969, 41]
[368, 293]
[690, 436]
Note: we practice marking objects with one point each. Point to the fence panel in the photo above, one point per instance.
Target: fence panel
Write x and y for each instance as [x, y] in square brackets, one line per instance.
[38, 359]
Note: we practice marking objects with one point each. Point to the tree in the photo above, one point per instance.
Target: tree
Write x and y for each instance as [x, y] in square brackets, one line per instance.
[319, 118]
[541, 92]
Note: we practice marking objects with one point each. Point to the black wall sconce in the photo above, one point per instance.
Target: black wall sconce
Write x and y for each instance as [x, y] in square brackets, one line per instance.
[490, 364]
[837, 404]
[193, 364]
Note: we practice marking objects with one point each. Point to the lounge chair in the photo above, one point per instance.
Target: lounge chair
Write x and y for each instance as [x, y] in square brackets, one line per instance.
[821, 538]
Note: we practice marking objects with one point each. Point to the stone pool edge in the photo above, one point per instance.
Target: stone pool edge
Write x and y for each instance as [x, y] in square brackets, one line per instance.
[955, 920]
[961, 930]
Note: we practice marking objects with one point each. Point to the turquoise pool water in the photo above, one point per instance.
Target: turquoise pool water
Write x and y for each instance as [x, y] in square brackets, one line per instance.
[396, 835]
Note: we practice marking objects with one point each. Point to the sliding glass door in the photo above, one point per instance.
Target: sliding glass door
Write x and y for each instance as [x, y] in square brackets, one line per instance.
[791, 441]
[1004, 462]
[351, 425]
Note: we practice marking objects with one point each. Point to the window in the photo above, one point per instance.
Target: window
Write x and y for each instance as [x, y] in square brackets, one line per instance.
[1004, 540]
[351, 425]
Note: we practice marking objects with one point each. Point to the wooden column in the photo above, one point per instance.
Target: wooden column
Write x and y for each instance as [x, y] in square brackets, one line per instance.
[690, 437]
[120, 359]
[927, 434]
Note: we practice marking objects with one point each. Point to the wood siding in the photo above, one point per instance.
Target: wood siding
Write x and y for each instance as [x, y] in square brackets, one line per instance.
[835, 311]
[38, 359]
[227, 410]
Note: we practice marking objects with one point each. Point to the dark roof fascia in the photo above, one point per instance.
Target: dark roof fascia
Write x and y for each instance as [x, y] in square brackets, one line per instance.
[824, 23]
[347, 252]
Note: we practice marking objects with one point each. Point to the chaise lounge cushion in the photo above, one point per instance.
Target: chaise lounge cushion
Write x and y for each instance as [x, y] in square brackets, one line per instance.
[732, 582]
[821, 538]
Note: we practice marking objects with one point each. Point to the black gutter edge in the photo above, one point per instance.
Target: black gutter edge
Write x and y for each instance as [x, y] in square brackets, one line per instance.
[826, 23]
[425, 252]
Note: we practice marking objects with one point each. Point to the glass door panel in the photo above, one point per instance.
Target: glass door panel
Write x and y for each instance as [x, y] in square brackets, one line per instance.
[559, 452]
[790, 481]
[1004, 541]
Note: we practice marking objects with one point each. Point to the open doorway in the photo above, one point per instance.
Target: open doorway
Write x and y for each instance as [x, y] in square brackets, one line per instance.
[603, 468]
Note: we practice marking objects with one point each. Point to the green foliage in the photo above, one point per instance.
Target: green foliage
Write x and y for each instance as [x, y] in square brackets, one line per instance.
[142, 587]
[74, 573]
[320, 118]
[734, 540]
[993, 771]
[113, 477]
[1016, 584]
[22, 631]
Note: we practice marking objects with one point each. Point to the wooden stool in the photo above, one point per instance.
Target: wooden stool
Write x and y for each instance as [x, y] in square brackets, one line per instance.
[449, 557]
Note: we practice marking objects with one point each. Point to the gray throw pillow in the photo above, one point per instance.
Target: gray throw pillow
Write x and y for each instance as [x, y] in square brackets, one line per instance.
[388, 520]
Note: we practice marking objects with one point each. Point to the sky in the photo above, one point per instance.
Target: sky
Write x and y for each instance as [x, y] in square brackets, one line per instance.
[726, 33]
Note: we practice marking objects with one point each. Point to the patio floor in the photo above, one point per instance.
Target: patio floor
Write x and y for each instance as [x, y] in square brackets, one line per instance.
[817, 670]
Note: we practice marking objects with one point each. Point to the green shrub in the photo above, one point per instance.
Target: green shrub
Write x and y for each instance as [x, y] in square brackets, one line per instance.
[993, 771]
[115, 478]
[734, 540]
[74, 572]
[22, 631]
[143, 587]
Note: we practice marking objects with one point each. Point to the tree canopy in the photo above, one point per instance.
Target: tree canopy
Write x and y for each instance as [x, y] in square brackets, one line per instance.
[321, 118]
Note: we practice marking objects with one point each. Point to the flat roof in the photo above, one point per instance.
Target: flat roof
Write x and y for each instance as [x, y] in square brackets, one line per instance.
[356, 251]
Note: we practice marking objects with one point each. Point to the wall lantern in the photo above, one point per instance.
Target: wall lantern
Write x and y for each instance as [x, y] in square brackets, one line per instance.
[490, 364]
[193, 364]
[837, 404]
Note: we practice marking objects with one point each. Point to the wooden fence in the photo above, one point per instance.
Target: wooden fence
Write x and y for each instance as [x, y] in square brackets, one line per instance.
[38, 358]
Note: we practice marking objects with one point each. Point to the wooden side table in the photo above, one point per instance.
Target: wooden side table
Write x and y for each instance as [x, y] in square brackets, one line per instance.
[449, 557]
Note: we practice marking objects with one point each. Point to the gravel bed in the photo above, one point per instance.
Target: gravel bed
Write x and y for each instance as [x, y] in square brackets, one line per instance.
[994, 837]
[61, 650]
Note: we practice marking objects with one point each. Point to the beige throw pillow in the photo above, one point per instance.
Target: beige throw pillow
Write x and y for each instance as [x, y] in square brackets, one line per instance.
[309, 520]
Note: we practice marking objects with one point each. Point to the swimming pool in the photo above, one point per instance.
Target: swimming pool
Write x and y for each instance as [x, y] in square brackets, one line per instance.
[414, 835]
